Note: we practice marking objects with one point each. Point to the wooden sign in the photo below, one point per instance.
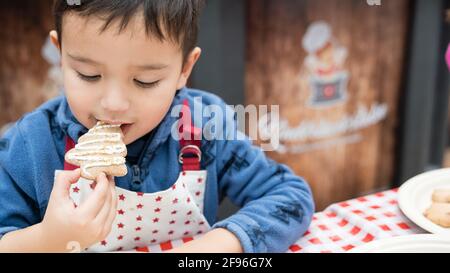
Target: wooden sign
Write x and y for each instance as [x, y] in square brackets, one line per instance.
[335, 69]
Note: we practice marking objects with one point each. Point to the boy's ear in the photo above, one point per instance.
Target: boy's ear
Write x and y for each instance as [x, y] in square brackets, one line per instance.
[188, 65]
[54, 38]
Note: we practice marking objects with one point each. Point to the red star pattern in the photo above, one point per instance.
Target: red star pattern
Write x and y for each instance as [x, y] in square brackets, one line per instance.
[151, 208]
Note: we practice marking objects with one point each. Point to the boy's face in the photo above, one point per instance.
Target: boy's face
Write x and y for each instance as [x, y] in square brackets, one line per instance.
[128, 78]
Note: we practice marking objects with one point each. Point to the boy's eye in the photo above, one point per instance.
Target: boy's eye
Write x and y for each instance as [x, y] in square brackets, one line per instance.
[88, 78]
[146, 84]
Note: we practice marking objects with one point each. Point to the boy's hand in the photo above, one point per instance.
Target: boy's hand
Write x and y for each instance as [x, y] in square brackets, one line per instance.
[87, 224]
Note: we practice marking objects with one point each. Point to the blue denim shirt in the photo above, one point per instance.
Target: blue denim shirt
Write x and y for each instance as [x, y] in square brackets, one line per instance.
[276, 205]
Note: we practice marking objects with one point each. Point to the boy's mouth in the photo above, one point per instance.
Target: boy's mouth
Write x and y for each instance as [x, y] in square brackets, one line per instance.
[124, 126]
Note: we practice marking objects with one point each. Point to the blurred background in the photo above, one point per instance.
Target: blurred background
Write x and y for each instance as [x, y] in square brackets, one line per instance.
[363, 85]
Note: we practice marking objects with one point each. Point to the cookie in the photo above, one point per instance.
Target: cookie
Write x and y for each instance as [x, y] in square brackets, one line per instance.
[439, 213]
[101, 149]
[441, 196]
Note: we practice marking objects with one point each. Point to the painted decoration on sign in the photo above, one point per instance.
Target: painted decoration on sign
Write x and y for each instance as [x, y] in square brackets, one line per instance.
[311, 135]
[327, 79]
[325, 63]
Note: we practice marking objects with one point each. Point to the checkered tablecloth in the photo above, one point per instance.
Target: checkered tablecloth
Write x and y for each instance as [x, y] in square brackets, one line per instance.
[345, 225]
[342, 226]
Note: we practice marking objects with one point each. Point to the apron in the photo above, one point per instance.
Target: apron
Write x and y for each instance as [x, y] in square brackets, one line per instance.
[146, 219]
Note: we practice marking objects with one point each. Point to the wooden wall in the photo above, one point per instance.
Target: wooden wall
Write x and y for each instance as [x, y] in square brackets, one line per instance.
[24, 27]
[375, 37]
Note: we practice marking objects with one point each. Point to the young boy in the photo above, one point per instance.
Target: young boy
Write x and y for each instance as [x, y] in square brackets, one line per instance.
[127, 62]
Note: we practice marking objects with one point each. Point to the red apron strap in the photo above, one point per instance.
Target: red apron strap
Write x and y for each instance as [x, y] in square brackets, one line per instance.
[190, 141]
[70, 144]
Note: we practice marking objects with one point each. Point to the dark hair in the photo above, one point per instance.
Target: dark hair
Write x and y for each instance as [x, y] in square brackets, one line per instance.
[178, 19]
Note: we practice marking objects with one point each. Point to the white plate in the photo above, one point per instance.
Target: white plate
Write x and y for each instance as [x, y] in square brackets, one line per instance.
[414, 197]
[419, 243]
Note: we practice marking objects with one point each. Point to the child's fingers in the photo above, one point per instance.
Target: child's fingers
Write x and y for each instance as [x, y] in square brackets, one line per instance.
[114, 195]
[63, 181]
[112, 212]
[110, 179]
[92, 206]
[112, 185]
[101, 217]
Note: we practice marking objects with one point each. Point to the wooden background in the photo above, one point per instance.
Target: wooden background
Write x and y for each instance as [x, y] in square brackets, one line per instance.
[23, 71]
[375, 37]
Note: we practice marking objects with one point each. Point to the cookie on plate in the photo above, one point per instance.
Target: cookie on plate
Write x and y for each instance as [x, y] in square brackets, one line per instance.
[441, 196]
[439, 213]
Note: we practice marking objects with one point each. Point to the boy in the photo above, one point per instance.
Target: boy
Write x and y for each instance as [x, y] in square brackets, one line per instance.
[127, 62]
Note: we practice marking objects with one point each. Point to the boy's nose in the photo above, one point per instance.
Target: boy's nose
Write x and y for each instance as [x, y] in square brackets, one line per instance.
[115, 101]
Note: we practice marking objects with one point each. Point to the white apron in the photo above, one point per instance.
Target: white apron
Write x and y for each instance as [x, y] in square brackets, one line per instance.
[146, 219]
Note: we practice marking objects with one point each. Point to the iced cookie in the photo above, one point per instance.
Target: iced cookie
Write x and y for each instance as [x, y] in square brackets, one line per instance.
[101, 149]
[439, 213]
[441, 196]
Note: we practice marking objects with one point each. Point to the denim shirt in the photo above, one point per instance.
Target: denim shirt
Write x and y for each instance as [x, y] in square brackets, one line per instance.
[276, 205]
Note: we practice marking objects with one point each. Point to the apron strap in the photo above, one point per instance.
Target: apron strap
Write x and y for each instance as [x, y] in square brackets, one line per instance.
[190, 141]
[70, 144]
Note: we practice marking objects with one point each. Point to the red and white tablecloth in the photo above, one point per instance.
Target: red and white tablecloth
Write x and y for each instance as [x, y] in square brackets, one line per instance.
[342, 226]
[345, 225]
